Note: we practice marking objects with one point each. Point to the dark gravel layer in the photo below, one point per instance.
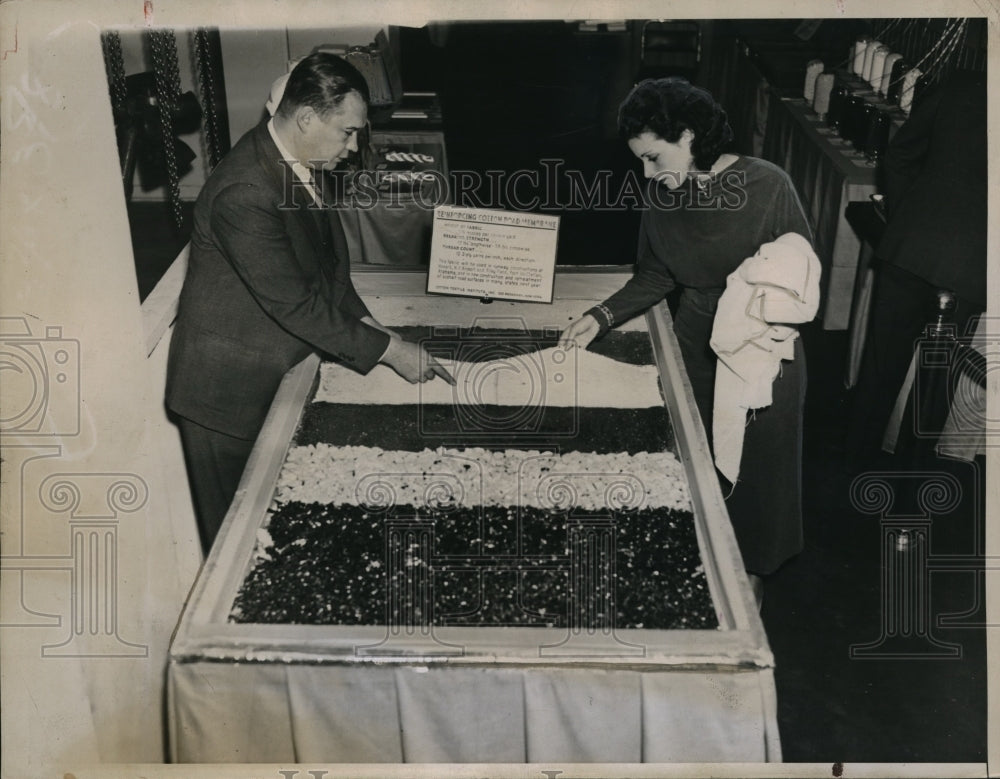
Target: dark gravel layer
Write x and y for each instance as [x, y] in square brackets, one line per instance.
[329, 566]
[414, 427]
[480, 344]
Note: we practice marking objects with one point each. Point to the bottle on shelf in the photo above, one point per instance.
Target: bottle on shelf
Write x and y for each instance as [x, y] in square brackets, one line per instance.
[899, 70]
[878, 136]
[838, 106]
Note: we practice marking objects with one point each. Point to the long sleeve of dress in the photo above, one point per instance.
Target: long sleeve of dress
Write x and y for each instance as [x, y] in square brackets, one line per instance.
[787, 213]
[650, 282]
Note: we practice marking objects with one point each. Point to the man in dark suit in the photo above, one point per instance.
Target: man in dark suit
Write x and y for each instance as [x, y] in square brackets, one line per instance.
[268, 283]
[934, 181]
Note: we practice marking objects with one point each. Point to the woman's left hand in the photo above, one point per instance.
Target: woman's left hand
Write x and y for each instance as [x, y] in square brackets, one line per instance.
[580, 333]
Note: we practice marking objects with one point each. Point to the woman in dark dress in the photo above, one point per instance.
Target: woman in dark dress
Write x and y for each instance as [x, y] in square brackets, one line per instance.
[706, 212]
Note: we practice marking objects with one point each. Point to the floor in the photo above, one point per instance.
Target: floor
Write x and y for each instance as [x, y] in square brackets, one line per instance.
[918, 692]
[899, 702]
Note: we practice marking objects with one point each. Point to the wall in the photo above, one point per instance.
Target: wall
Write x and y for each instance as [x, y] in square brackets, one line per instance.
[99, 549]
[138, 60]
[253, 59]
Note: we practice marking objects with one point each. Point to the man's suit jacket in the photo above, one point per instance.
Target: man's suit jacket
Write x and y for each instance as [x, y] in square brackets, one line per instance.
[934, 180]
[268, 282]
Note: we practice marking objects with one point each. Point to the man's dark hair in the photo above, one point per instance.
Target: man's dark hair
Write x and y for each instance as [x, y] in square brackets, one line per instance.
[321, 81]
[667, 107]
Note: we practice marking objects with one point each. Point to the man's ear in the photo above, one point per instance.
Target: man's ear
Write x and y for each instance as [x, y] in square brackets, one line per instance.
[304, 116]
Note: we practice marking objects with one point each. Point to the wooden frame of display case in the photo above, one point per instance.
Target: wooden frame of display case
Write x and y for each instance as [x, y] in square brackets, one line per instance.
[739, 644]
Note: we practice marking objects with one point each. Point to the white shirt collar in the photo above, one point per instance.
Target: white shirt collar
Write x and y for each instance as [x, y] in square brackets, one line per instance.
[301, 171]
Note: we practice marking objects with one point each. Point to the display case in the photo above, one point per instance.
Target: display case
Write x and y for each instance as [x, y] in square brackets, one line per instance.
[390, 222]
[427, 686]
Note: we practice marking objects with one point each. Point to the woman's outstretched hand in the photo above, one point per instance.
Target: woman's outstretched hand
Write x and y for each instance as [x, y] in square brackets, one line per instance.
[580, 333]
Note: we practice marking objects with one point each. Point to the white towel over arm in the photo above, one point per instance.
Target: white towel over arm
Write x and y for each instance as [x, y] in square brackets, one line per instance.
[754, 331]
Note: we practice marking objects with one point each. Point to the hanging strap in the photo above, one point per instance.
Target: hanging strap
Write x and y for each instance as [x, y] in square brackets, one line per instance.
[167, 78]
[206, 67]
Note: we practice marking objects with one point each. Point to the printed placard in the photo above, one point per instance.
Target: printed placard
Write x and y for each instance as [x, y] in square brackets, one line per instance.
[490, 253]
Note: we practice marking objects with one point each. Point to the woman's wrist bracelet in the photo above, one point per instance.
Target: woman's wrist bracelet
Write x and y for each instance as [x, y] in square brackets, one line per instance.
[605, 312]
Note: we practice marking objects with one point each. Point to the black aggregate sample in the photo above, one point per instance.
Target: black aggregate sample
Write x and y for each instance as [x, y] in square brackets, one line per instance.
[414, 427]
[490, 566]
[480, 344]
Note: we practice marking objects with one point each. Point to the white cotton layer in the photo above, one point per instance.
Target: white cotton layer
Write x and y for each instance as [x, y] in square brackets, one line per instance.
[553, 377]
[443, 478]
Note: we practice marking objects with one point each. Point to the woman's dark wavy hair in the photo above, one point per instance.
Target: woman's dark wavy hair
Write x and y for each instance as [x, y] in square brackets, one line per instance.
[321, 81]
[668, 106]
